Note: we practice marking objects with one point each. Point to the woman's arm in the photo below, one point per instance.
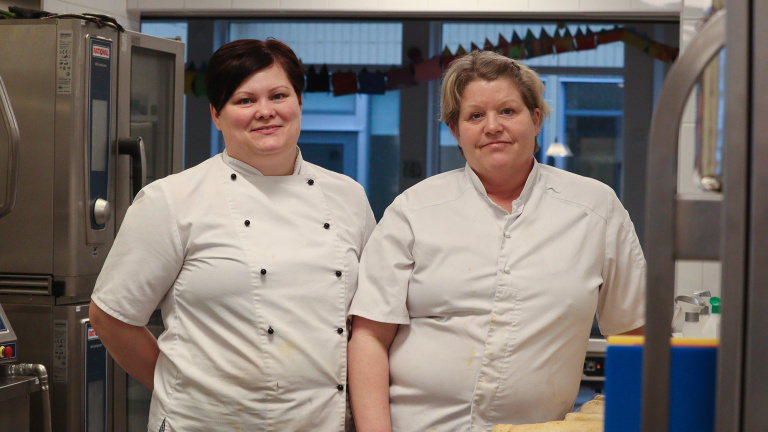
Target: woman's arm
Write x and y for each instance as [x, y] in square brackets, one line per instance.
[134, 348]
[368, 360]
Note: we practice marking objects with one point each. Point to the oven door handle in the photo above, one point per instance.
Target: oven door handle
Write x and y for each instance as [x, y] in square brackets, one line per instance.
[12, 175]
[134, 147]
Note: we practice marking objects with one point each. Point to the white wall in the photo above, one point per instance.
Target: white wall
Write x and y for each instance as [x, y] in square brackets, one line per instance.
[612, 9]
[114, 8]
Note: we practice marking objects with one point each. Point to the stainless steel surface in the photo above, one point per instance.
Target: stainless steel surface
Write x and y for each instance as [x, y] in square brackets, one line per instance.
[102, 211]
[50, 221]
[134, 148]
[54, 336]
[53, 247]
[150, 108]
[660, 220]
[12, 166]
[15, 401]
[38, 371]
[696, 218]
[733, 233]
[30, 81]
[756, 341]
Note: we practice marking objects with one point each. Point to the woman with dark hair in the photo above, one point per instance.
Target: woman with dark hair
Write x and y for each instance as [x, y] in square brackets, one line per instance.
[252, 257]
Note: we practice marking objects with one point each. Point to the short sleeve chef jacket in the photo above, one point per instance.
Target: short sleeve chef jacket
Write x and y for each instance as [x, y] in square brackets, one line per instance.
[254, 276]
[496, 307]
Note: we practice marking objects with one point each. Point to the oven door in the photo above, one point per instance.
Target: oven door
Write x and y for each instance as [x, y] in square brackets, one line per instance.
[61, 338]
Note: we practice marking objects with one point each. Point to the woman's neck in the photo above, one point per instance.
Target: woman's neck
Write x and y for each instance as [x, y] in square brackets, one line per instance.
[278, 164]
[504, 187]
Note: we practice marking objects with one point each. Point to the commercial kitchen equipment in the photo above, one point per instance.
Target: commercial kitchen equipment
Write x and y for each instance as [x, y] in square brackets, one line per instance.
[99, 112]
[681, 227]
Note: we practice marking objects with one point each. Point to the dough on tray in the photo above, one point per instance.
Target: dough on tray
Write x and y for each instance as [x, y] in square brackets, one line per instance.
[555, 426]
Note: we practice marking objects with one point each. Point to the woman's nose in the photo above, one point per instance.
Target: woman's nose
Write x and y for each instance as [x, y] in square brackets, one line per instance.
[263, 110]
[492, 124]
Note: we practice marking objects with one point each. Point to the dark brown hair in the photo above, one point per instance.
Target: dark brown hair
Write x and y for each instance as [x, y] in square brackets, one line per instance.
[231, 64]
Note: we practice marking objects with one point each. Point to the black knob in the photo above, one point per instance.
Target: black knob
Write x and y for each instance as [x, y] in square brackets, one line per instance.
[338, 273]
[247, 222]
[270, 330]
[339, 387]
[233, 176]
[263, 271]
[339, 330]
[326, 225]
[310, 182]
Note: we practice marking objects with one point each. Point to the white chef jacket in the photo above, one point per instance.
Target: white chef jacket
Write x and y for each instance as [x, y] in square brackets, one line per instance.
[254, 275]
[496, 308]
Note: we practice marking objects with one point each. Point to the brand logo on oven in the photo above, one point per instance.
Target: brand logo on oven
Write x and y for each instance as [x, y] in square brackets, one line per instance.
[92, 334]
[100, 51]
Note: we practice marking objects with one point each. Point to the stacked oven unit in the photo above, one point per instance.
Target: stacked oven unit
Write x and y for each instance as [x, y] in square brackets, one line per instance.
[76, 88]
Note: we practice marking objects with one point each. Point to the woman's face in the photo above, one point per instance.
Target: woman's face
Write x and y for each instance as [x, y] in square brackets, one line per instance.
[262, 118]
[495, 129]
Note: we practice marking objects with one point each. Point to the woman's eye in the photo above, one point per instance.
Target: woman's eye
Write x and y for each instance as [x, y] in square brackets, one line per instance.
[243, 101]
[475, 116]
[279, 96]
[507, 111]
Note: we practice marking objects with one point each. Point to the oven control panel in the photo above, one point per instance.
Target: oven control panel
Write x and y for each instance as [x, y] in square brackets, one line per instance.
[7, 339]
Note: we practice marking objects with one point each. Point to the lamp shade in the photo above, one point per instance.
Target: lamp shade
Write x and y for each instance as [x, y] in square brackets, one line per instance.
[558, 149]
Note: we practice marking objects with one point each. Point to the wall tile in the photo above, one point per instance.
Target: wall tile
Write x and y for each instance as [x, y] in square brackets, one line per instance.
[606, 5]
[248, 5]
[502, 5]
[688, 277]
[403, 5]
[711, 277]
[151, 5]
[54, 6]
[695, 9]
[311, 5]
[555, 6]
[212, 5]
[453, 5]
[657, 5]
[359, 5]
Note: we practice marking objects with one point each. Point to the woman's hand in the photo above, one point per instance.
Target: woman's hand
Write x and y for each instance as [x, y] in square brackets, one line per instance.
[368, 363]
[133, 348]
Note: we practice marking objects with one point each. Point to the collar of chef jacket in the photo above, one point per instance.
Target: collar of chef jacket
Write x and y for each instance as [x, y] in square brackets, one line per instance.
[299, 167]
[517, 204]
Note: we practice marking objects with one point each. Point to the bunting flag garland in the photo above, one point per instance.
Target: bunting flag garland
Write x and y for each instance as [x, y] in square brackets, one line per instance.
[344, 83]
[585, 41]
[503, 47]
[564, 43]
[372, 82]
[428, 70]
[399, 78]
[420, 70]
[318, 82]
[547, 43]
[608, 36]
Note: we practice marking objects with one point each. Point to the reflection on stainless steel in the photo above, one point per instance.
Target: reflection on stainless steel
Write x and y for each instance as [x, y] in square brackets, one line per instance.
[12, 130]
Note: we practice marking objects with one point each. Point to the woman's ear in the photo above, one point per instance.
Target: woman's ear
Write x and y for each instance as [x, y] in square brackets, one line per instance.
[454, 131]
[215, 116]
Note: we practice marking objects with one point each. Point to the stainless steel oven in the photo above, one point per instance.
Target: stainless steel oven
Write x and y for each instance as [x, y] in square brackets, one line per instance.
[99, 114]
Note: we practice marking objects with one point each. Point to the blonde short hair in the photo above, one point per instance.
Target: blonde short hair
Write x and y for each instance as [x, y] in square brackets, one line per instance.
[489, 66]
